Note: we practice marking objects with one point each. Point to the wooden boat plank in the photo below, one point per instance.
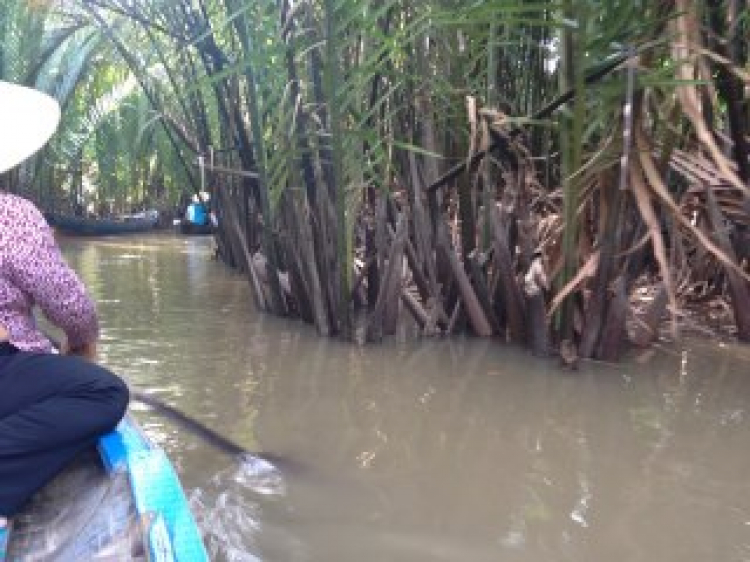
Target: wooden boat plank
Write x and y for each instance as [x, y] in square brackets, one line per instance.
[158, 495]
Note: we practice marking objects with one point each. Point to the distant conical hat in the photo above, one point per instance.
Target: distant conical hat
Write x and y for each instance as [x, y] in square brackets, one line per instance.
[27, 120]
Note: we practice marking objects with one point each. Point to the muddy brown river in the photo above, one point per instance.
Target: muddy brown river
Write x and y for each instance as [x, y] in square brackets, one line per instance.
[421, 451]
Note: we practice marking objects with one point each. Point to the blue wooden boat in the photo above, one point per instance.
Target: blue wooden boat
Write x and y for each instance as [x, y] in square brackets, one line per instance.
[85, 226]
[119, 502]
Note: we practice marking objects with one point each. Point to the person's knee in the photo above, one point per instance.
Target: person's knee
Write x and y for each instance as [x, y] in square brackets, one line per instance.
[101, 388]
[112, 396]
[120, 396]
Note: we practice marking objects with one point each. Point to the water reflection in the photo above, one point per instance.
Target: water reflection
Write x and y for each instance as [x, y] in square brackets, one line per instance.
[422, 451]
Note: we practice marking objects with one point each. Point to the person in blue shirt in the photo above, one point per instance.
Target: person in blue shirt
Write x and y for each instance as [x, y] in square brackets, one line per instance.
[196, 213]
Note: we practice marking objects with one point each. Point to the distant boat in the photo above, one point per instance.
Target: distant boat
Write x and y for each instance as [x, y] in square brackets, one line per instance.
[85, 226]
[121, 502]
[197, 220]
[191, 229]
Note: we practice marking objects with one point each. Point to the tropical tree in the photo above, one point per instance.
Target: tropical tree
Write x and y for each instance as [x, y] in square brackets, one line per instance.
[503, 167]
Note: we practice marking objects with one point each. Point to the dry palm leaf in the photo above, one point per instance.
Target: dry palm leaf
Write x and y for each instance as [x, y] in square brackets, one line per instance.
[588, 270]
[657, 186]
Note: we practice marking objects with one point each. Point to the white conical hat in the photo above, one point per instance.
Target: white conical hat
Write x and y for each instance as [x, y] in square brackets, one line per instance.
[27, 120]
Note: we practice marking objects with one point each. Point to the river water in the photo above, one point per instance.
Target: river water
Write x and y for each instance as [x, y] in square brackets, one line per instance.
[416, 451]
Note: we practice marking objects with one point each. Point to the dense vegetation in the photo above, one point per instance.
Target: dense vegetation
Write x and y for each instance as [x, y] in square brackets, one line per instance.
[501, 167]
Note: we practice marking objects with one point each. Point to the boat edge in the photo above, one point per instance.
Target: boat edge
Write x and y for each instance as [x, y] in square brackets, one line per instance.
[173, 533]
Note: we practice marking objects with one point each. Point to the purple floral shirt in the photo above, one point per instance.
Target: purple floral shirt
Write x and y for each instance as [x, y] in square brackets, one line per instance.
[34, 273]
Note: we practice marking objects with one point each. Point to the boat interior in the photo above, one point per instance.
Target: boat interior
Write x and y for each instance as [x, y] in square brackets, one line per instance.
[85, 513]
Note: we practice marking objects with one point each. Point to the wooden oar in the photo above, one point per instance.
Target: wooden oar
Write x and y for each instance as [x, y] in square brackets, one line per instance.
[219, 441]
[215, 439]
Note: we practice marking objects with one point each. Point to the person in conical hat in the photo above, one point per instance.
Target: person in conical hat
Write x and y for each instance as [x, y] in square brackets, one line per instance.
[52, 405]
